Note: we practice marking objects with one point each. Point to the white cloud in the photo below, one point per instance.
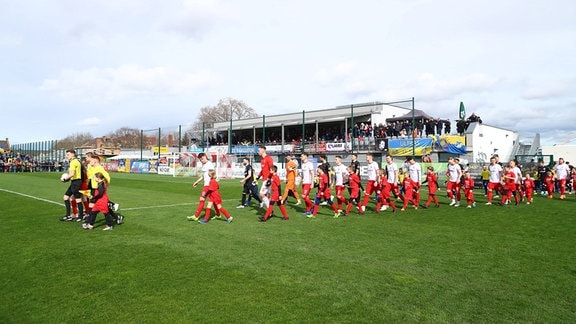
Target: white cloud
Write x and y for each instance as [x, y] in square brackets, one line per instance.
[336, 73]
[10, 40]
[429, 87]
[199, 17]
[91, 121]
[127, 81]
[550, 90]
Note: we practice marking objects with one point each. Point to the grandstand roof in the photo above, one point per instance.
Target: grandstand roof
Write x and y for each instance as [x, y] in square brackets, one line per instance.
[418, 114]
[324, 115]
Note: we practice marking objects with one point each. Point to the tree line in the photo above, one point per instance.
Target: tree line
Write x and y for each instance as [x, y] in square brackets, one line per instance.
[130, 136]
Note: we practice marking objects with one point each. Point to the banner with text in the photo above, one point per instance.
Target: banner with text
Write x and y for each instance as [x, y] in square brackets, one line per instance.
[407, 147]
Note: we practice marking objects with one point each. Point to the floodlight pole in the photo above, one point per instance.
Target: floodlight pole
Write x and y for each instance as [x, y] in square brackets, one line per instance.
[159, 130]
[303, 131]
[203, 131]
[413, 133]
[352, 126]
[263, 129]
[179, 138]
[230, 133]
[141, 143]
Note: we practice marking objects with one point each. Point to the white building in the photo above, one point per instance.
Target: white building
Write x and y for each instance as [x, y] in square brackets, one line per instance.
[568, 152]
[483, 141]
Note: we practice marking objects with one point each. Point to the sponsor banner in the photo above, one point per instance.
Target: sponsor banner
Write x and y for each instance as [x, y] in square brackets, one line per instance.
[311, 148]
[223, 149]
[245, 149]
[454, 144]
[140, 167]
[165, 169]
[163, 149]
[111, 166]
[278, 148]
[338, 147]
[408, 147]
[123, 165]
[196, 150]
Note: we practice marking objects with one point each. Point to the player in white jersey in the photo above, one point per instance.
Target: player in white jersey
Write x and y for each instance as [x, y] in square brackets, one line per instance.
[392, 175]
[415, 171]
[307, 178]
[340, 177]
[454, 174]
[562, 171]
[205, 178]
[495, 181]
[372, 185]
[518, 177]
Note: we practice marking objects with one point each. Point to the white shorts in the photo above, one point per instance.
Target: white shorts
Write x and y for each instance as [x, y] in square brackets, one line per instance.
[264, 189]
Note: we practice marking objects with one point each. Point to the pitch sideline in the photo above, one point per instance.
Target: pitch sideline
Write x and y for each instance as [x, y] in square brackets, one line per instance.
[132, 208]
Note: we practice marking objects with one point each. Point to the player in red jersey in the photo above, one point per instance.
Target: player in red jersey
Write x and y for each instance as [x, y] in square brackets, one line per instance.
[409, 191]
[509, 180]
[266, 163]
[432, 181]
[469, 190]
[549, 184]
[384, 193]
[354, 189]
[323, 193]
[529, 188]
[213, 193]
[274, 185]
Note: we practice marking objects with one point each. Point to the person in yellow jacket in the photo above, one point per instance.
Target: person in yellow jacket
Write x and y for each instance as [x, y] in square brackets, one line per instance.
[95, 166]
[485, 175]
[74, 175]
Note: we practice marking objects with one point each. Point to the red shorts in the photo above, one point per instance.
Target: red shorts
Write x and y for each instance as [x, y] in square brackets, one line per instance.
[453, 186]
[215, 198]
[371, 187]
[494, 186]
[339, 191]
[204, 192]
[394, 189]
[306, 189]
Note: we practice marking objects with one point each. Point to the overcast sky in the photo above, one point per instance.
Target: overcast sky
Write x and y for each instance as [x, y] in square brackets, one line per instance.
[69, 66]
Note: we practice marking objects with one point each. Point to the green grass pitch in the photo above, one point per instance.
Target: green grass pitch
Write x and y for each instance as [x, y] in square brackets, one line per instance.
[488, 264]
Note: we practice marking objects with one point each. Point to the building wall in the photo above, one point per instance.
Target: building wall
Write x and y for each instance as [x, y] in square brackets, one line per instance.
[485, 141]
[568, 152]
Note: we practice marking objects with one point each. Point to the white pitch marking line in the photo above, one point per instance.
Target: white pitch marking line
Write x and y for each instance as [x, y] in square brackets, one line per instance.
[171, 205]
[32, 197]
[62, 204]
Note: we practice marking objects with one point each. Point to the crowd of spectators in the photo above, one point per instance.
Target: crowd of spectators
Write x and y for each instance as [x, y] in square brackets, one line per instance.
[462, 125]
[25, 163]
[422, 127]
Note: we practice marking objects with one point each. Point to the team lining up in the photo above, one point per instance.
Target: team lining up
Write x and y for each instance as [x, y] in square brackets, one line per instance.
[506, 181]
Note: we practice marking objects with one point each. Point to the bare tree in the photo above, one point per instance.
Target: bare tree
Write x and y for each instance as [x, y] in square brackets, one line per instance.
[225, 108]
[126, 137]
[222, 111]
[75, 140]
